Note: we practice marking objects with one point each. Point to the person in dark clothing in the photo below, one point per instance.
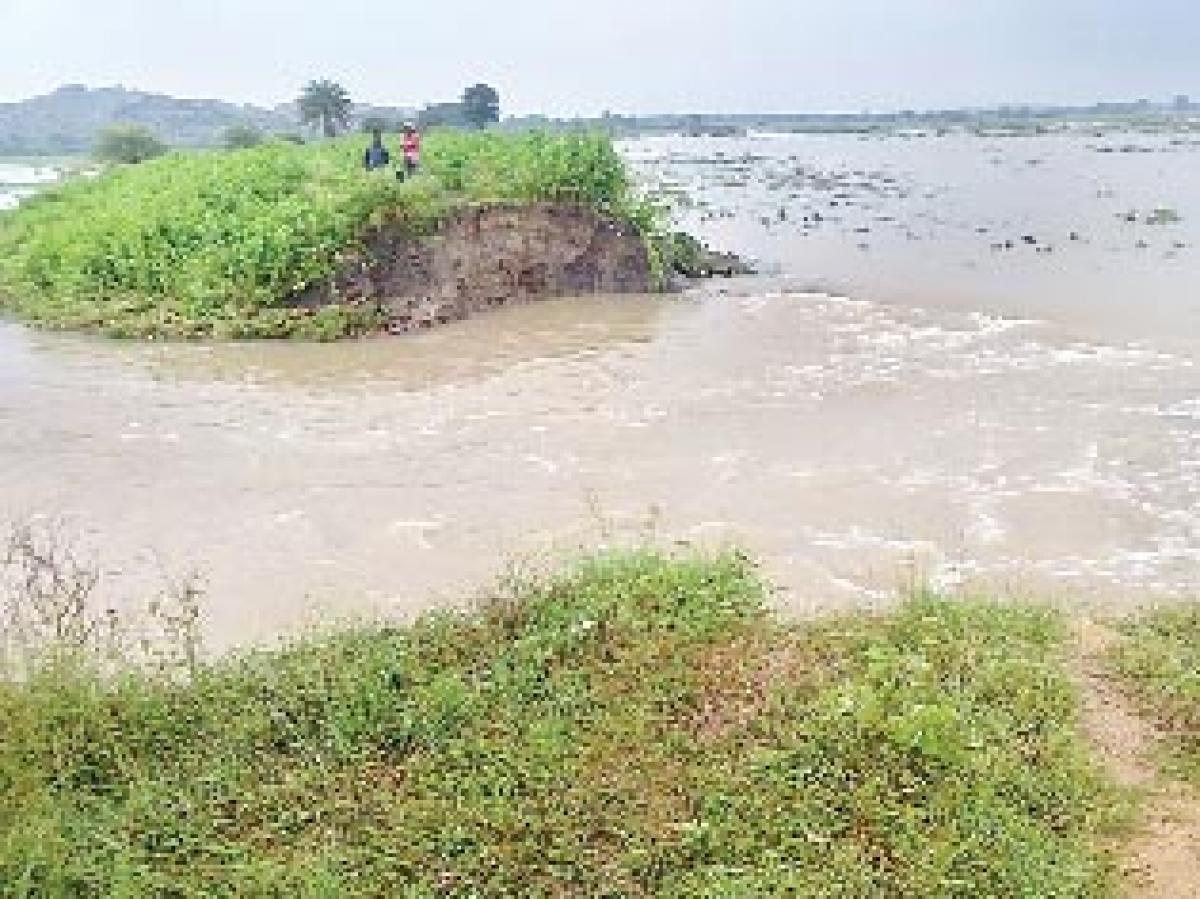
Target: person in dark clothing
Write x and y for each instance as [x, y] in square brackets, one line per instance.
[377, 155]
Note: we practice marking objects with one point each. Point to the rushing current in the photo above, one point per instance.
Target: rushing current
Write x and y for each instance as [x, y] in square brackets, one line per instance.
[970, 362]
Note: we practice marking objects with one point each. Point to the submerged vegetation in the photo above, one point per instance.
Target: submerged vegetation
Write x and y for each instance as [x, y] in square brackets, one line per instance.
[1160, 660]
[217, 243]
[638, 726]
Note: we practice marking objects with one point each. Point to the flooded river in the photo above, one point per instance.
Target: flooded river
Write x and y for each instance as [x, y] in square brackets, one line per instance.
[21, 178]
[971, 361]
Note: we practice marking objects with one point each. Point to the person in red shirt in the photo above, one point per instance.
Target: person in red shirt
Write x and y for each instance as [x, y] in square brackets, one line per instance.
[412, 150]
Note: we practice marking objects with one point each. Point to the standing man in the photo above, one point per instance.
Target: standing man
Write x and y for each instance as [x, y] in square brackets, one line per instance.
[377, 155]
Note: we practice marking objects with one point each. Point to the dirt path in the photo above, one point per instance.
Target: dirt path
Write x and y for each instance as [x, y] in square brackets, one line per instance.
[1163, 859]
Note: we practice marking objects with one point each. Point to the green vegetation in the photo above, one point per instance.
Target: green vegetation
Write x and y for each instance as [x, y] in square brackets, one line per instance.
[682, 254]
[217, 244]
[128, 145]
[1164, 215]
[1161, 662]
[639, 726]
[242, 137]
[443, 115]
[327, 104]
[481, 105]
[478, 107]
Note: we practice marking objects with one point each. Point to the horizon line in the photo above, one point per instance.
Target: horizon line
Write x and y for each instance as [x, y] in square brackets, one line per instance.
[997, 106]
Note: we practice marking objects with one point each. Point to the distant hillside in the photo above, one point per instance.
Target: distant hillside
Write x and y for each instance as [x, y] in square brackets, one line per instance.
[68, 120]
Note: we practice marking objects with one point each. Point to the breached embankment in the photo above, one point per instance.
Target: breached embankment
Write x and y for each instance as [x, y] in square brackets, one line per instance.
[490, 255]
[486, 256]
[286, 241]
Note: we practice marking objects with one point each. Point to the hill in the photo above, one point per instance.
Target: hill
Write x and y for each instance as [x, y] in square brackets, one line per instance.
[68, 120]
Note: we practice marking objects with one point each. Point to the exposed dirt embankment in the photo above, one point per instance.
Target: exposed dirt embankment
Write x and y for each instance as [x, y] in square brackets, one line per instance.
[485, 256]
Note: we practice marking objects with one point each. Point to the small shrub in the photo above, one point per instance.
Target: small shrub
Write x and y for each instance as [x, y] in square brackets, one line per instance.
[242, 137]
[128, 145]
[51, 618]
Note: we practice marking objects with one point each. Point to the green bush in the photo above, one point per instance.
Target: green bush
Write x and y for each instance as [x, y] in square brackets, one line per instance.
[209, 243]
[128, 145]
[242, 137]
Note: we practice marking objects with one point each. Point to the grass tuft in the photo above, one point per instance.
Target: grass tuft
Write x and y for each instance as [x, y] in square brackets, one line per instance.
[1160, 661]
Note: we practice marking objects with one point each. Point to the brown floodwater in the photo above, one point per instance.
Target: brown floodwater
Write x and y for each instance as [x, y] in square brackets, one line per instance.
[906, 403]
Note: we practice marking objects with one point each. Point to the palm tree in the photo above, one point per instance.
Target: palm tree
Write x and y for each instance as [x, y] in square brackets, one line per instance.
[327, 104]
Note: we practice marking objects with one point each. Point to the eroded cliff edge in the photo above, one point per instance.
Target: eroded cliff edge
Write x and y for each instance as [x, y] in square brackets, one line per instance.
[488, 255]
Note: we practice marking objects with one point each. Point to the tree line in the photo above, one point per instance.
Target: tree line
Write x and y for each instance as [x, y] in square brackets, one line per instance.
[324, 105]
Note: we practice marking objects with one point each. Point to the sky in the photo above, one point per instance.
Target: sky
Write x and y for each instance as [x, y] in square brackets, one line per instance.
[562, 58]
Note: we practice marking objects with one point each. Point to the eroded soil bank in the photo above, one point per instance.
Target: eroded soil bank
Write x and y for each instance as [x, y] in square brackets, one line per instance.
[485, 256]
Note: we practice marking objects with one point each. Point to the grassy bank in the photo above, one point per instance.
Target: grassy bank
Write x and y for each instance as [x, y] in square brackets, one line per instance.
[637, 726]
[1160, 662]
[214, 243]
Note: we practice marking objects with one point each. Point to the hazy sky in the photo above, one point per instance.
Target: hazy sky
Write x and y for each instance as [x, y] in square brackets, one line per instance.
[560, 56]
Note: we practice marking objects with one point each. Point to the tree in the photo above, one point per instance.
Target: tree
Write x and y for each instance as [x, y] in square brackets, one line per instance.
[242, 137]
[128, 144]
[481, 105]
[325, 103]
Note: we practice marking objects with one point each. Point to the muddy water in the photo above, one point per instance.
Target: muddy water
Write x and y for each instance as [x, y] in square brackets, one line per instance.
[962, 416]
[1100, 234]
[21, 178]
